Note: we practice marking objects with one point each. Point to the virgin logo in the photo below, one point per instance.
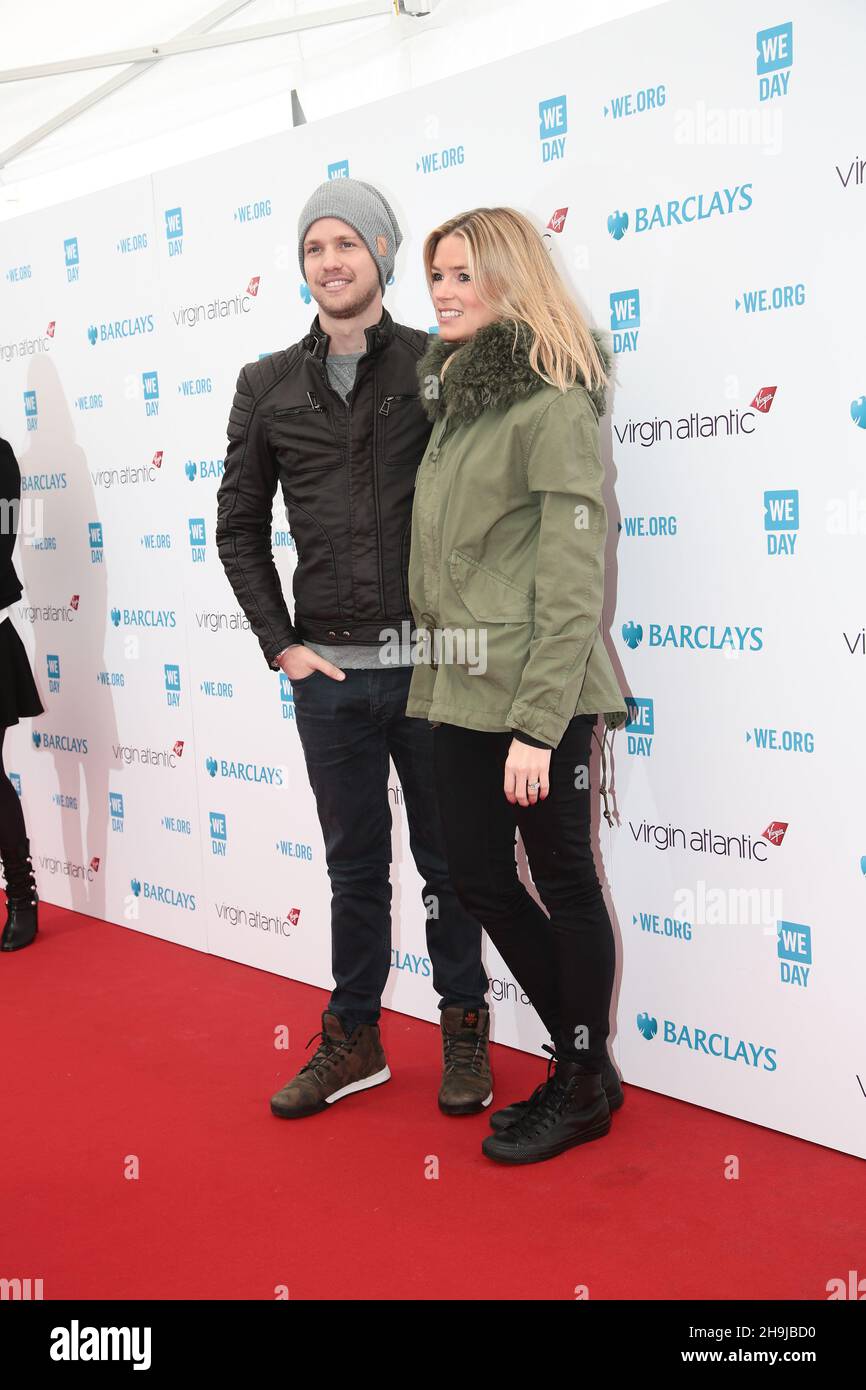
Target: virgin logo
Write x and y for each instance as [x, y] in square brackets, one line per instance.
[557, 221]
[253, 286]
[94, 863]
[50, 329]
[764, 399]
[178, 748]
[775, 831]
[293, 914]
[73, 602]
[157, 459]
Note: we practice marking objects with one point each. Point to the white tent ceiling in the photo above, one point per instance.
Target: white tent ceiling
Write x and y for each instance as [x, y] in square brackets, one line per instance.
[179, 107]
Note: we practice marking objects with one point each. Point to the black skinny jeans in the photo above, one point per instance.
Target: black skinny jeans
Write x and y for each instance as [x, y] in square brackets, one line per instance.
[564, 962]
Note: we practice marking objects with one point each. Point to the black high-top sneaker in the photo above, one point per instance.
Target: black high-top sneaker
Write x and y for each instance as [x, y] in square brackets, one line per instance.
[21, 898]
[501, 1119]
[570, 1109]
[467, 1081]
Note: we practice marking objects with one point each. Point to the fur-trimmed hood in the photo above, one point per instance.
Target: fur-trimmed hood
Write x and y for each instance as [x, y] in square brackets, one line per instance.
[491, 371]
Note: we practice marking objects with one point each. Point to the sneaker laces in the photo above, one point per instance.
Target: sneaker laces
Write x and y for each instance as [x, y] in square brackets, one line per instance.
[326, 1054]
[542, 1085]
[544, 1104]
[463, 1049]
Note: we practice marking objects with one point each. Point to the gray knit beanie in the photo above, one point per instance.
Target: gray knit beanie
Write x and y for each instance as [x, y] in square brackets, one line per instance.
[364, 208]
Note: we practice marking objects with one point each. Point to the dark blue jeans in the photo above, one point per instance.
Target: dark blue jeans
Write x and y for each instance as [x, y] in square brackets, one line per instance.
[347, 730]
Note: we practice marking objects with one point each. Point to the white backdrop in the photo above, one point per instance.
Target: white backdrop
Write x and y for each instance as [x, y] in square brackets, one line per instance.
[699, 183]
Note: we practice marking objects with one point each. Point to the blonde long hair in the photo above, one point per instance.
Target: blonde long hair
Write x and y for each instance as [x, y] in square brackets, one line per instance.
[514, 276]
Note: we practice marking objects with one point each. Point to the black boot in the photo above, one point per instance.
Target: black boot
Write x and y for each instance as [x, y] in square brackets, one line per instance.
[501, 1119]
[21, 897]
[569, 1109]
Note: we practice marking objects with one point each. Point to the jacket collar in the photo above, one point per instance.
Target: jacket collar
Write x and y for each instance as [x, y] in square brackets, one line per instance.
[317, 341]
[491, 371]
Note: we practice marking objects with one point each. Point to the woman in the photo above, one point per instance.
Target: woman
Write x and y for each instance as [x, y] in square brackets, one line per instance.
[506, 580]
[19, 699]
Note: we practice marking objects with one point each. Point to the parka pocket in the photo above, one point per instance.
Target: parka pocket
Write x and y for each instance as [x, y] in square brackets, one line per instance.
[490, 597]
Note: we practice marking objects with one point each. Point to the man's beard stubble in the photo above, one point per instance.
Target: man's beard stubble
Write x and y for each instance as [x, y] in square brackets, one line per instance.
[354, 307]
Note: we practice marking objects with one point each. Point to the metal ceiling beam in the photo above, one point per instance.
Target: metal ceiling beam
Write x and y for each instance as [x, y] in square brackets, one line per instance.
[193, 40]
[105, 89]
[188, 41]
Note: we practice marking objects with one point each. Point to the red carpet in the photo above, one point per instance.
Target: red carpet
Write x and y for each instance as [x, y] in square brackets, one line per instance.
[115, 1044]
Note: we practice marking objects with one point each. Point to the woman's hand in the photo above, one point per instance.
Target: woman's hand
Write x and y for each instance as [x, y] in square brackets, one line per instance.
[523, 765]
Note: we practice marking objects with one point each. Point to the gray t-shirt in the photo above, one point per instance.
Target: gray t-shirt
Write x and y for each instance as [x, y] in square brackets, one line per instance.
[363, 656]
[341, 371]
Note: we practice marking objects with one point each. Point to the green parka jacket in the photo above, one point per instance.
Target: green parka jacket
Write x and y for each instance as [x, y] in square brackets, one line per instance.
[506, 565]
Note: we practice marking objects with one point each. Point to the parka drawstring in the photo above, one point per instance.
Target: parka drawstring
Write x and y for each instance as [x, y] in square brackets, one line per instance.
[603, 788]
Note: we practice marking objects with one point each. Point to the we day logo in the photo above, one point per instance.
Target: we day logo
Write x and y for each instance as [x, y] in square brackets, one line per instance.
[782, 520]
[71, 259]
[625, 319]
[775, 56]
[553, 125]
[174, 231]
[150, 390]
[640, 726]
[794, 947]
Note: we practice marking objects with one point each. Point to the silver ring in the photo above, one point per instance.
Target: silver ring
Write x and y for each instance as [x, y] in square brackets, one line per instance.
[533, 786]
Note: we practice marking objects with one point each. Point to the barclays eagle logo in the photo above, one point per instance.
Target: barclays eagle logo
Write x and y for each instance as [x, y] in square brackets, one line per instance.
[858, 412]
[617, 224]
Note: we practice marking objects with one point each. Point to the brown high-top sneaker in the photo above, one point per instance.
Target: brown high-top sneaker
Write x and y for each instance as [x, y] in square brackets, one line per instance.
[342, 1064]
[467, 1081]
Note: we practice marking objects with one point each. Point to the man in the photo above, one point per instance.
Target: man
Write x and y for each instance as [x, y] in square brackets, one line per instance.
[336, 420]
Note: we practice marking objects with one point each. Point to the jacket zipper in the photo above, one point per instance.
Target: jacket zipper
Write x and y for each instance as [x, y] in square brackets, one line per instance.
[297, 409]
[348, 411]
[337, 397]
[434, 453]
[385, 407]
[434, 458]
[376, 500]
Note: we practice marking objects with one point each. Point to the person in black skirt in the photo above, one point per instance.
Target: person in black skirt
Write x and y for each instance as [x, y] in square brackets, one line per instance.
[19, 698]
